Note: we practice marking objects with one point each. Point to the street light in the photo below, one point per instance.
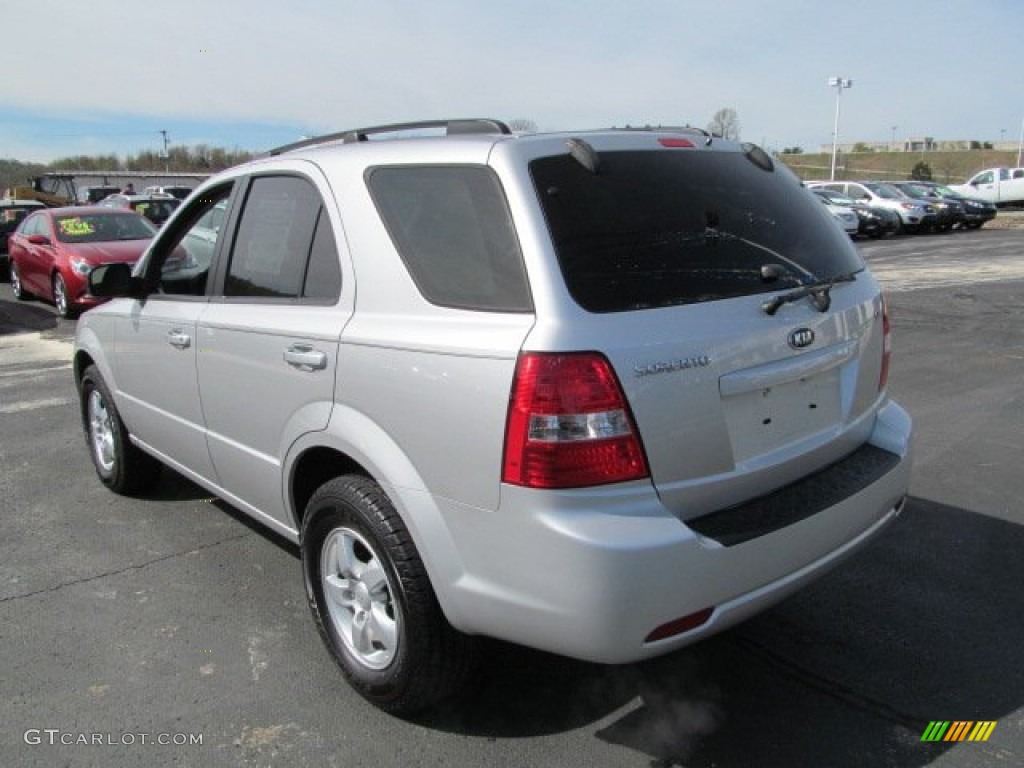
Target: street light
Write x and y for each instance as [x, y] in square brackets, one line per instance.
[838, 83]
[1020, 142]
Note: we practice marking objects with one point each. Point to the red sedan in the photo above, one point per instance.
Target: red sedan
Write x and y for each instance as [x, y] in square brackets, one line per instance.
[54, 250]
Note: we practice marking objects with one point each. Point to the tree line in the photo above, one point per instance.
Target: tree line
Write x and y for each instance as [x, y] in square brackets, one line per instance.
[200, 158]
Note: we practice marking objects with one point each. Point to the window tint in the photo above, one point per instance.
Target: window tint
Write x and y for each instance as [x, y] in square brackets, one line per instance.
[323, 276]
[272, 247]
[659, 228]
[452, 228]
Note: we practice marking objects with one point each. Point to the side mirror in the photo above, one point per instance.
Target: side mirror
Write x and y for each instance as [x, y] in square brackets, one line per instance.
[39, 240]
[114, 280]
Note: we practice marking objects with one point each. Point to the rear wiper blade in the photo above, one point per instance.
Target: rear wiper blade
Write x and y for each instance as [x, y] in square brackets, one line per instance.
[817, 290]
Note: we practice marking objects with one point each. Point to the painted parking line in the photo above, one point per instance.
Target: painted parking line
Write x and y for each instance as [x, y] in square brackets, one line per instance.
[32, 405]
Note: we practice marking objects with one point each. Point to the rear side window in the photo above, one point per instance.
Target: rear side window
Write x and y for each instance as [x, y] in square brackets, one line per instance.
[452, 227]
[284, 247]
[662, 228]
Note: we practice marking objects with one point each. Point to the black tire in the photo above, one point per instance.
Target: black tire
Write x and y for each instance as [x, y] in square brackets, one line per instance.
[385, 627]
[120, 465]
[17, 287]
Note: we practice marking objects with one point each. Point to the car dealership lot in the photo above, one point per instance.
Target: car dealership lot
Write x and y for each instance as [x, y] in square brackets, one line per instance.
[171, 616]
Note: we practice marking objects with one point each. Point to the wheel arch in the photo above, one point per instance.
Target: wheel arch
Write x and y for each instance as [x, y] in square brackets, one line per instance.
[311, 469]
[89, 350]
[353, 444]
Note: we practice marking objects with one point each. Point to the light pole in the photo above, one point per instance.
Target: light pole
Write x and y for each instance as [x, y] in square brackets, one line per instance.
[838, 83]
[166, 155]
[1020, 141]
[892, 147]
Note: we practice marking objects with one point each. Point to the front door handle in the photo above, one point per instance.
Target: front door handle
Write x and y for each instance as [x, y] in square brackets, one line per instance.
[179, 339]
[303, 356]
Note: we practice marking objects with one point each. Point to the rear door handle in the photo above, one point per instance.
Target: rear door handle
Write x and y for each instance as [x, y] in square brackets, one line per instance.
[179, 339]
[303, 356]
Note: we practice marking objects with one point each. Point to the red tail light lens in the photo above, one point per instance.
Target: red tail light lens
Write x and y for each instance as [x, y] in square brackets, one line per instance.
[883, 377]
[568, 424]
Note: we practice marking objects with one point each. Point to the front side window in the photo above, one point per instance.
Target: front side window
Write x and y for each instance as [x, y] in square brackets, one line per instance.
[655, 228]
[185, 253]
[284, 247]
[34, 225]
[453, 230]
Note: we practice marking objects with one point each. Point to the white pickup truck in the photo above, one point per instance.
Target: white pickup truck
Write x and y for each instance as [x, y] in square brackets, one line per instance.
[1002, 186]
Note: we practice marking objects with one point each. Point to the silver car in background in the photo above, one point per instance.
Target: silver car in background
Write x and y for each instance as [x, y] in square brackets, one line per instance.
[844, 215]
[600, 393]
[914, 215]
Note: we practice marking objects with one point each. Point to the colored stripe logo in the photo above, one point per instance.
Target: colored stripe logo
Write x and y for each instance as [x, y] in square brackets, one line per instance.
[958, 730]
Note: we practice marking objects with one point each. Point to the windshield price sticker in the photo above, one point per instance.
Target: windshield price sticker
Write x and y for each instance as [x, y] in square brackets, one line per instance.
[76, 227]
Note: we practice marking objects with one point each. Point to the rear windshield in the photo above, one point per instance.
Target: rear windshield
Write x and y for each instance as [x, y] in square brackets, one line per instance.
[661, 228]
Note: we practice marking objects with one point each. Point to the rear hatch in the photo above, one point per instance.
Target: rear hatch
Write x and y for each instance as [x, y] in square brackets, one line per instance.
[740, 320]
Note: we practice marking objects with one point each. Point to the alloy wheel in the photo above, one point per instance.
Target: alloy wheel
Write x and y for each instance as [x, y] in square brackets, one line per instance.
[359, 598]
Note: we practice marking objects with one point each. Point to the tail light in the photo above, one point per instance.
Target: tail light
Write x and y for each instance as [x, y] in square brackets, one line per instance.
[883, 377]
[569, 425]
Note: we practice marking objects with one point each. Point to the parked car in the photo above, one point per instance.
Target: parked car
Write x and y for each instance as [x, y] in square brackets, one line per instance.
[949, 212]
[11, 214]
[177, 192]
[914, 217]
[1000, 186]
[156, 208]
[871, 221]
[92, 195]
[975, 211]
[844, 215]
[54, 250]
[602, 393]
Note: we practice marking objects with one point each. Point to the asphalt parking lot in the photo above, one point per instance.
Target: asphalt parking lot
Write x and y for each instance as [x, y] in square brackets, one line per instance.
[171, 616]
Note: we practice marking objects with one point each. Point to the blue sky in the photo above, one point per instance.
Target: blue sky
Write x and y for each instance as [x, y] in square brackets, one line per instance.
[105, 76]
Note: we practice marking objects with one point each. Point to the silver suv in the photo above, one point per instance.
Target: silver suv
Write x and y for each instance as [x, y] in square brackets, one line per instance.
[601, 394]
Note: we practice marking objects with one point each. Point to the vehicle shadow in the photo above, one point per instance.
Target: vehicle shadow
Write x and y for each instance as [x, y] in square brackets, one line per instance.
[923, 625]
[19, 317]
[174, 486]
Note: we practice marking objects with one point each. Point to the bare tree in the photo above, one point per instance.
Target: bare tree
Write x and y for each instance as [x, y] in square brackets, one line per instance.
[522, 125]
[725, 123]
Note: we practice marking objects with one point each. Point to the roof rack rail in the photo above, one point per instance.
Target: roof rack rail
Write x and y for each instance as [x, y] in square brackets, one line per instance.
[708, 137]
[452, 128]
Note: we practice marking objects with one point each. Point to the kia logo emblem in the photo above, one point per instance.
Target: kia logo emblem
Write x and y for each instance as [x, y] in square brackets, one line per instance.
[801, 338]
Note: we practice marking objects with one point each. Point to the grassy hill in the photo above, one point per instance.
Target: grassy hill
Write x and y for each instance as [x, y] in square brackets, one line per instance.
[947, 167]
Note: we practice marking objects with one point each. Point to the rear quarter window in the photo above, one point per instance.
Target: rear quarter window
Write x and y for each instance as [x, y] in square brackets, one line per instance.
[453, 230]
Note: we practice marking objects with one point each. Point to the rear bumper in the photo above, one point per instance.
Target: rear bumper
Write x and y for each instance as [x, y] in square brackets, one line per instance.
[970, 217]
[591, 574]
